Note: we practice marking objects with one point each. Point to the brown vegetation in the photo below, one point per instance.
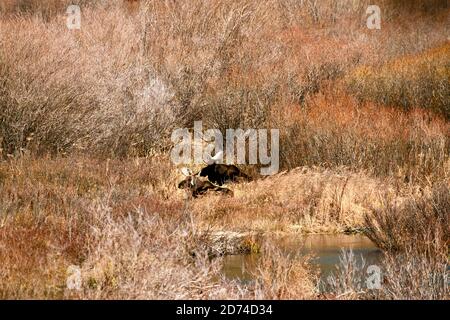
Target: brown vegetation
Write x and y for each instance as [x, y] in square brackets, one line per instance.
[415, 80]
[85, 123]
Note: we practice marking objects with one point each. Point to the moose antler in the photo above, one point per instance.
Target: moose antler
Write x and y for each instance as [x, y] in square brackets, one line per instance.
[218, 157]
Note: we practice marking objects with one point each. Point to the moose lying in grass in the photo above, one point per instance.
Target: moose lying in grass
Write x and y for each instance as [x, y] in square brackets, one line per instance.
[211, 178]
[198, 185]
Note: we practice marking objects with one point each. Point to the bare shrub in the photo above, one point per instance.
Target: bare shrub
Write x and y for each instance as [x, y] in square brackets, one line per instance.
[144, 268]
[420, 80]
[404, 276]
[281, 276]
[414, 276]
[419, 223]
[334, 131]
[83, 94]
[348, 281]
[122, 83]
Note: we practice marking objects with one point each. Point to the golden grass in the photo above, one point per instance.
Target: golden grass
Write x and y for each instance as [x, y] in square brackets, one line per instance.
[306, 200]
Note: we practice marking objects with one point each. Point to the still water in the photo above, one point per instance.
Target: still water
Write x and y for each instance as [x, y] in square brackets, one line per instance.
[326, 250]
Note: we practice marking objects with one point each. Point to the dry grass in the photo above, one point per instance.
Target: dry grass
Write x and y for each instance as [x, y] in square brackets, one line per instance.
[124, 225]
[333, 130]
[133, 235]
[406, 276]
[417, 80]
[86, 118]
[48, 202]
[418, 222]
[308, 200]
[280, 276]
[414, 233]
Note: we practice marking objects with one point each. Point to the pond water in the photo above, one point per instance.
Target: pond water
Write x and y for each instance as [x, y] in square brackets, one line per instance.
[326, 250]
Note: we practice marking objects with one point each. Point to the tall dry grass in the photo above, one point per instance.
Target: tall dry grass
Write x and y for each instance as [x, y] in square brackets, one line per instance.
[304, 200]
[79, 109]
[134, 236]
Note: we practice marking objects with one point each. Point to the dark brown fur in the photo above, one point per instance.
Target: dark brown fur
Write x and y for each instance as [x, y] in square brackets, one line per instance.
[222, 173]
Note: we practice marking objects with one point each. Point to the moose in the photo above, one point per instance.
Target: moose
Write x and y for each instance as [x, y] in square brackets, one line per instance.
[211, 178]
[221, 173]
[198, 185]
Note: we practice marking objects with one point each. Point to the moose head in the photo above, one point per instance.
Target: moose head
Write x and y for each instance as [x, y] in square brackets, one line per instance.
[198, 185]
